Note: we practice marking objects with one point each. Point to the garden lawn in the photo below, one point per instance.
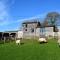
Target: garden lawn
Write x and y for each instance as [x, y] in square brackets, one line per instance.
[30, 50]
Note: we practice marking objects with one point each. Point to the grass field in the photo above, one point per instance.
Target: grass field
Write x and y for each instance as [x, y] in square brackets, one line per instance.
[30, 50]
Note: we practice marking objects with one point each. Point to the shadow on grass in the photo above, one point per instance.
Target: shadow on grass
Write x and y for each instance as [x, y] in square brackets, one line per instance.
[43, 42]
[22, 43]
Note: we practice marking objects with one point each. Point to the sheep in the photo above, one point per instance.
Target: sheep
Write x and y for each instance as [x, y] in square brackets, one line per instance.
[58, 39]
[58, 42]
[18, 42]
[42, 40]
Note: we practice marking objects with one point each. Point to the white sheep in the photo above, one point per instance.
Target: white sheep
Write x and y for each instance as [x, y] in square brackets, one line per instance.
[42, 40]
[59, 42]
[58, 39]
[18, 42]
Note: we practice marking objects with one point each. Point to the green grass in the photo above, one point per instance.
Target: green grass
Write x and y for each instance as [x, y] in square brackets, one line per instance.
[30, 50]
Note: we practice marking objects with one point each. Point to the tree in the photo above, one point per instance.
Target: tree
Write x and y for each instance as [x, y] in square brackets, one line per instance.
[52, 19]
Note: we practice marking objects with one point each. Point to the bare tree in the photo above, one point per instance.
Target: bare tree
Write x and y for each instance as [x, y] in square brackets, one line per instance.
[52, 19]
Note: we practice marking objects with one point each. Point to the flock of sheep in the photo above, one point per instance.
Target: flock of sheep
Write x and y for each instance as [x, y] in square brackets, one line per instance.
[40, 40]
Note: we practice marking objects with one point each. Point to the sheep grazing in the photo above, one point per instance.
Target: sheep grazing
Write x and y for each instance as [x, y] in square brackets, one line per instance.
[18, 42]
[58, 38]
[59, 42]
[42, 40]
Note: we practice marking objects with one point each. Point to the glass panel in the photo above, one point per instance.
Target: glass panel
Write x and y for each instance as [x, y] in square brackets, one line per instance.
[32, 30]
[42, 31]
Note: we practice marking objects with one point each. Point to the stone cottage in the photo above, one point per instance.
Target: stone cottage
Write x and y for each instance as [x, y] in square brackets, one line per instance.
[33, 29]
[29, 29]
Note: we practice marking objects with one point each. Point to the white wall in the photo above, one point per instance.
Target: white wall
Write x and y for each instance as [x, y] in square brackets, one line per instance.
[38, 32]
[49, 31]
[20, 34]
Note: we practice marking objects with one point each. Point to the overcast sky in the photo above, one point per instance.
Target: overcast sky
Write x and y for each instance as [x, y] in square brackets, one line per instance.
[14, 12]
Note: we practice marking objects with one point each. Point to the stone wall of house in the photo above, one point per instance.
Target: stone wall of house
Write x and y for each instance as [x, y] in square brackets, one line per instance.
[38, 32]
[30, 30]
[49, 31]
[29, 34]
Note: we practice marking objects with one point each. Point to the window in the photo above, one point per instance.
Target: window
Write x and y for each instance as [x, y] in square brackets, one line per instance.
[42, 31]
[25, 29]
[26, 25]
[23, 25]
[32, 30]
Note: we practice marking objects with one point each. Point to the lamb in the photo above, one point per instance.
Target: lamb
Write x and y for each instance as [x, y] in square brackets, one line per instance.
[18, 41]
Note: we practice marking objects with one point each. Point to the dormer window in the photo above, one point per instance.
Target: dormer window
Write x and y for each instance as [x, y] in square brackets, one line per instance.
[26, 25]
[32, 30]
